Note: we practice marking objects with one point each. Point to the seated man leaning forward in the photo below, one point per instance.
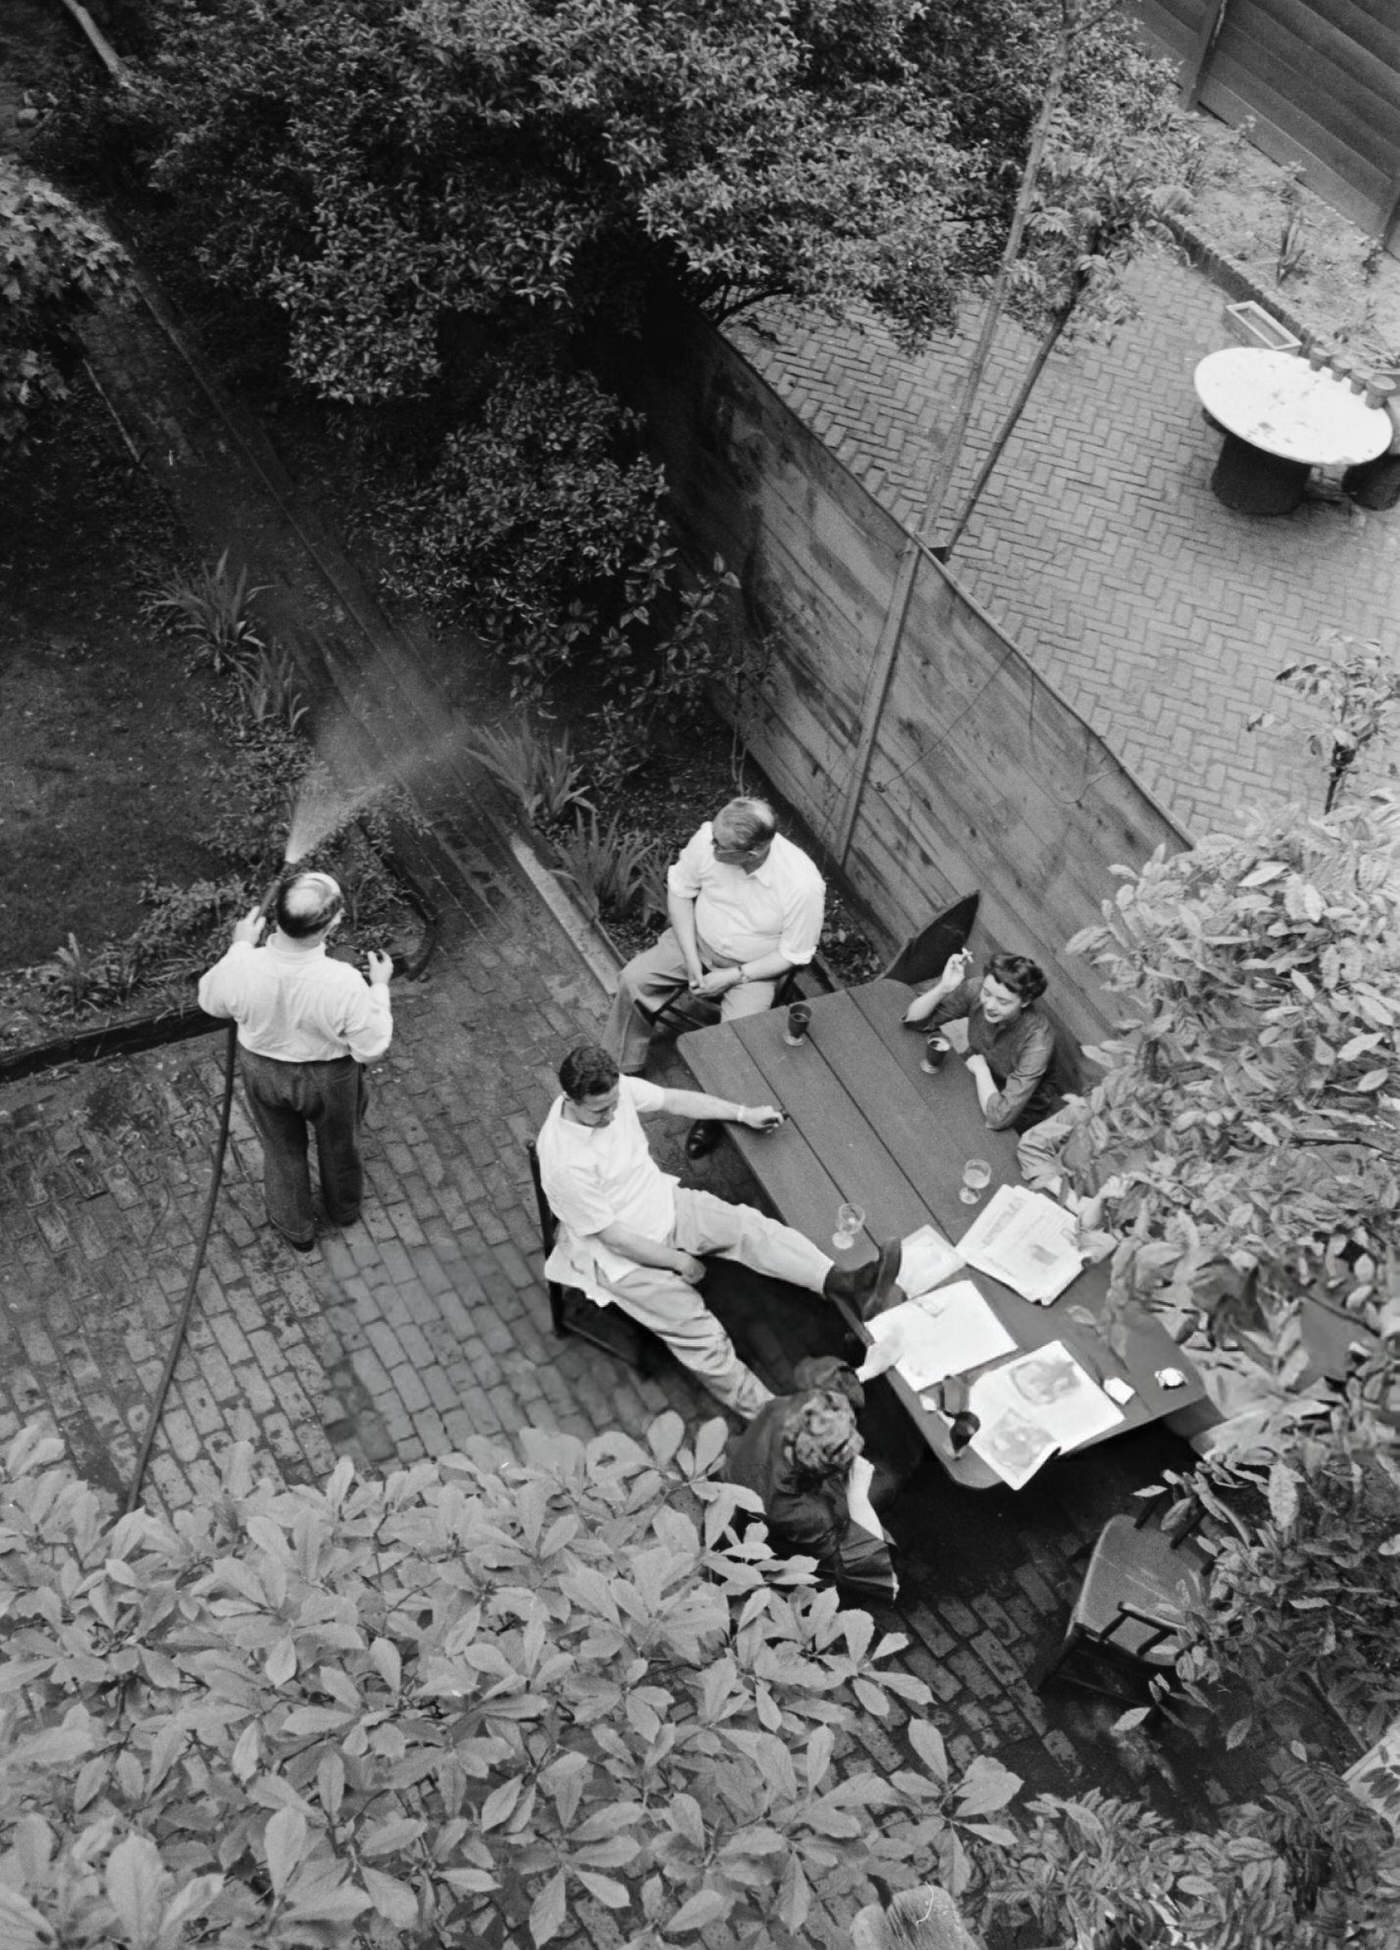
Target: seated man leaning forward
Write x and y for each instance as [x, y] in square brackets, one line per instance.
[631, 1234]
[1010, 1043]
[745, 906]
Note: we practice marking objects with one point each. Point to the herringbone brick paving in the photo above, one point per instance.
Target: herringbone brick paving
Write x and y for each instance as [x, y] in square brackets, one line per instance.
[1158, 614]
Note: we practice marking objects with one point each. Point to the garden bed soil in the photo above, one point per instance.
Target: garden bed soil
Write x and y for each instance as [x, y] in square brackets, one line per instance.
[109, 740]
[1306, 259]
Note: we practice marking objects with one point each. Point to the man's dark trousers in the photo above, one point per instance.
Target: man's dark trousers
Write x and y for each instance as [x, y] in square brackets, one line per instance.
[287, 1101]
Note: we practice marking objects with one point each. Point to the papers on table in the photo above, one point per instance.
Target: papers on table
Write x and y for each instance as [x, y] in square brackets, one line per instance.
[1026, 1241]
[927, 1258]
[942, 1333]
[1037, 1406]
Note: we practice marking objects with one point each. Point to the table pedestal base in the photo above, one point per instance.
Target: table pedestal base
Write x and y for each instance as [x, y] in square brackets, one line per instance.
[1255, 483]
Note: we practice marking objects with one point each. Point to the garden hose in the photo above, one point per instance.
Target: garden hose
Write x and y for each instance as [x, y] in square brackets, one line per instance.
[138, 1475]
[133, 1495]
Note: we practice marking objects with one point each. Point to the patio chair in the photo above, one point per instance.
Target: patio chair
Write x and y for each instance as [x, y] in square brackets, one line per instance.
[923, 956]
[573, 1313]
[1124, 1632]
[681, 1010]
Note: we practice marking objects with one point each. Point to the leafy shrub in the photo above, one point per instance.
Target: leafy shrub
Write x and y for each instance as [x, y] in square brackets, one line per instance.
[454, 1702]
[58, 264]
[532, 520]
[1249, 1099]
[458, 1703]
[1304, 1585]
[172, 941]
[253, 796]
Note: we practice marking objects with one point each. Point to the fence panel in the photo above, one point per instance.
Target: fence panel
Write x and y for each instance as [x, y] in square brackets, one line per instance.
[981, 776]
[1320, 77]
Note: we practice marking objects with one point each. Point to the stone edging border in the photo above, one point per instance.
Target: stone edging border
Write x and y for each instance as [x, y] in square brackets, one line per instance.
[1239, 284]
[1231, 277]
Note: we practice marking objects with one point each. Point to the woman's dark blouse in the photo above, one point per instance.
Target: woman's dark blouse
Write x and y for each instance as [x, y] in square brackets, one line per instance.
[1018, 1053]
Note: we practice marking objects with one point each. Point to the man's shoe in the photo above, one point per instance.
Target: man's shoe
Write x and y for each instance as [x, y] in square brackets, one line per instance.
[870, 1288]
[701, 1138]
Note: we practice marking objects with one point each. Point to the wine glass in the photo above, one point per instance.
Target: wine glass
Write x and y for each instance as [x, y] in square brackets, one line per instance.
[849, 1220]
[977, 1175]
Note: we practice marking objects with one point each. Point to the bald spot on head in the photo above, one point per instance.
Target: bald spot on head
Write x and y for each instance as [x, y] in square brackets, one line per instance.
[307, 904]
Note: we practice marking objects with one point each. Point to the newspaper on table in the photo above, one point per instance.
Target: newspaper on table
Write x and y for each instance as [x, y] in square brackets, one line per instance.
[1026, 1241]
[941, 1333]
[1040, 1405]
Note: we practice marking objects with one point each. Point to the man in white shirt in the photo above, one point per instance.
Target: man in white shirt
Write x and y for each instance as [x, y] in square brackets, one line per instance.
[631, 1234]
[306, 1027]
[745, 906]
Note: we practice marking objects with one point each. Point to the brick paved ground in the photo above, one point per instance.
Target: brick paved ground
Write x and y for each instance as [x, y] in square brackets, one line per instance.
[1157, 613]
[426, 1321]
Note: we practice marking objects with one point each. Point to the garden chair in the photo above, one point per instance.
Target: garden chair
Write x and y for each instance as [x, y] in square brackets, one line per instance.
[924, 956]
[1145, 1575]
[682, 1010]
[572, 1312]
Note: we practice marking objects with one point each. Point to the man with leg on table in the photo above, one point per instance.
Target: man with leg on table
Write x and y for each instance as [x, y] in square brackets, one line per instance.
[632, 1235]
[745, 906]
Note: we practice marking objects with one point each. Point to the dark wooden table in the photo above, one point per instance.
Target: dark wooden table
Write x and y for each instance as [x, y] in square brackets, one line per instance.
[866, 1126]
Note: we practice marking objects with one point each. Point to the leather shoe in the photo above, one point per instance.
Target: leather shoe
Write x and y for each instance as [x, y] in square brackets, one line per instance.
[701, 1138]
[869, 1288]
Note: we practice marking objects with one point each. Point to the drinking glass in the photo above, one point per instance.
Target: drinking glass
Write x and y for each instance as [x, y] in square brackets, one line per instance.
[849, 1221]
[977, 1175]
[799, 1018]
[936, 1048]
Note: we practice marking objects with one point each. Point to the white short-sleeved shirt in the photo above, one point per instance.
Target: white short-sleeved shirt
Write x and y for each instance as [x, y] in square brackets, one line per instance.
[298, 1004]
[741, 916]
[601, 1175]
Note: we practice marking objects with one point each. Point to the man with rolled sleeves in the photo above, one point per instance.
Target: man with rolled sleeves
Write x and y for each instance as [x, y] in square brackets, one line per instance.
[745, 906]
[632, 1236]
[307, 1025]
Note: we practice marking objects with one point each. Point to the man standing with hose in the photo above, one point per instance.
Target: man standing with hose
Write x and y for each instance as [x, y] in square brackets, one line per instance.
[306, 1027]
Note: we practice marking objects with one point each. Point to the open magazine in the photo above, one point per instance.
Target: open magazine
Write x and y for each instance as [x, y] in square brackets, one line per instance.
[1026, 1241]
[1040, 1405]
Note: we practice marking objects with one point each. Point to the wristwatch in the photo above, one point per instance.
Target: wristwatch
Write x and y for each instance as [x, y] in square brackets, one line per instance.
[743, 974]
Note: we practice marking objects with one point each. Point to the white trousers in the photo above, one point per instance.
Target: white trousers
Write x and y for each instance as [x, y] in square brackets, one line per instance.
[674, 1311]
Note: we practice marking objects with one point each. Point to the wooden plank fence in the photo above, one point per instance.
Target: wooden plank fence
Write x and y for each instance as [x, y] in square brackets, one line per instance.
[1321, 78]
[980, 775]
